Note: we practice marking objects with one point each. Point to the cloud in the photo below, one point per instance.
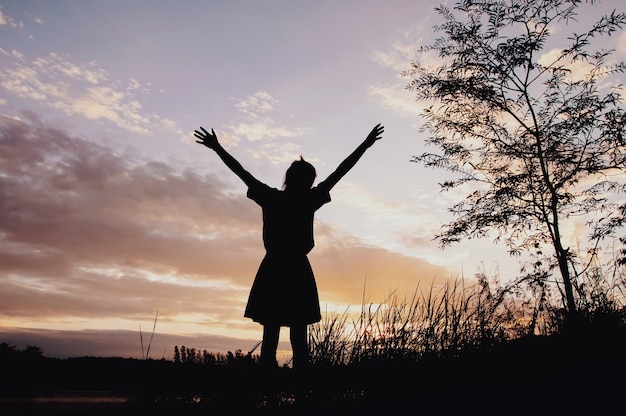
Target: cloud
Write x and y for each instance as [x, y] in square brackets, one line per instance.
[259, 126]
[383, 214]
[9, 21]
[401, 52]
[263, 129]
[621, 44]
[579, 70]
[13, 53]
[70, 205]
[397, 100]
[256, 104]
[345, 273]
[82, 90]
[398, 57]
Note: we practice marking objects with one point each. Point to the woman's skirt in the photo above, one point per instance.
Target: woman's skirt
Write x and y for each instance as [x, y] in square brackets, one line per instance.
[284, 292]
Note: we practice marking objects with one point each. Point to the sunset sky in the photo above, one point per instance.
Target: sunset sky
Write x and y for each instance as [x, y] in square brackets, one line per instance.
[111, 211]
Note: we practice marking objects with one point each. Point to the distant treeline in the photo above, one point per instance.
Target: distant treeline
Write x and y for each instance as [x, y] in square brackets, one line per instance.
[8, 351]
[184, 355]
[29, 371]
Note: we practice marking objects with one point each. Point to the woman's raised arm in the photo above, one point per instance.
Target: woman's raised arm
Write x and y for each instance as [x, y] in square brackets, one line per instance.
[354, 157]
[210, 140]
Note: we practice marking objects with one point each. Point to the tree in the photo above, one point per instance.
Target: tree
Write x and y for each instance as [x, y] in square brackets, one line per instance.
[33, 351]
[533, 142]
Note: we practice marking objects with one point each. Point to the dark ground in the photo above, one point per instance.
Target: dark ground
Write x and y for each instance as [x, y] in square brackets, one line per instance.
[581, 374]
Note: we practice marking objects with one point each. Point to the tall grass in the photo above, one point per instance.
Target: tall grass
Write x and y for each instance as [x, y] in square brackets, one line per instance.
[446, 321]
[146, 355]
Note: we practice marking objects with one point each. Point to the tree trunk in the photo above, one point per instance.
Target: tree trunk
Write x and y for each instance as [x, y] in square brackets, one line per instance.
[561, 255]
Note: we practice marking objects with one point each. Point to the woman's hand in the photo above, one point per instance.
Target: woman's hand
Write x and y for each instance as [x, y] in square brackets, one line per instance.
[206, 138]
[374, 135]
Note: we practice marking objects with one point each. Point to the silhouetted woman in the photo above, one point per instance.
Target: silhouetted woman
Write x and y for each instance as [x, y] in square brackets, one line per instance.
[284, 292]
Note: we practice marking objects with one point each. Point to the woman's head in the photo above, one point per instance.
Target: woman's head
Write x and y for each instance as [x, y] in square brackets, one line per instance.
[300, 175]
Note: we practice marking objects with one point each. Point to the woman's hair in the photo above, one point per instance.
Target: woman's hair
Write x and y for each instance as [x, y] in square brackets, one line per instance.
[300, 175]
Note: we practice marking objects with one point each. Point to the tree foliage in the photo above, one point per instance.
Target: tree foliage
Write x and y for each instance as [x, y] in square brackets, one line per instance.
[532, 129]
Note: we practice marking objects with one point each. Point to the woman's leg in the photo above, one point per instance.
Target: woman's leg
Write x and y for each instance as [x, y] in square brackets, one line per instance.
[269, 346]
[299, 345]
